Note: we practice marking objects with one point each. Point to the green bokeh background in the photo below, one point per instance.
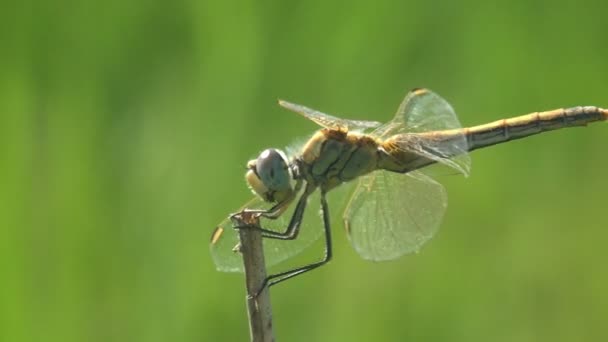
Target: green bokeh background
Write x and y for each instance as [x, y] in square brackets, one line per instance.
[125, 126]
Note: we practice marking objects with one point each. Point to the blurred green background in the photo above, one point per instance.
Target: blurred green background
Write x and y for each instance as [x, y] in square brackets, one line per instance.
[125, 128]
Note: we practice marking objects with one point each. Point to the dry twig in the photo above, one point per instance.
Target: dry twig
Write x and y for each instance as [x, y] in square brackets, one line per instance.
[258, 306]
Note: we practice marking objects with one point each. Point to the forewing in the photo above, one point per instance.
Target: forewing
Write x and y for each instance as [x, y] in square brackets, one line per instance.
[225, 238]
[393, 214]
[422, 112]
[328, 121]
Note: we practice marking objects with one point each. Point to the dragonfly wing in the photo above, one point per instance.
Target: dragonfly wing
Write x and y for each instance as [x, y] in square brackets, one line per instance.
[328, 121]
[392, 214]
[420, 113]
[225, 238]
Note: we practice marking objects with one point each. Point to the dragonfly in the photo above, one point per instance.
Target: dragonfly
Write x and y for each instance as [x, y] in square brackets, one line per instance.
[394, 205]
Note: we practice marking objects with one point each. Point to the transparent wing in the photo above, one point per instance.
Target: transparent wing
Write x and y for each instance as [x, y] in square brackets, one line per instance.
[328, 121]
[392, 214]
[224, 238]
[426, 124]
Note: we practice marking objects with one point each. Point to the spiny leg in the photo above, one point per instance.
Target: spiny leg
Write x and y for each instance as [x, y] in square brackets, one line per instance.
[280, 277]
[293, 228]
[275, 211]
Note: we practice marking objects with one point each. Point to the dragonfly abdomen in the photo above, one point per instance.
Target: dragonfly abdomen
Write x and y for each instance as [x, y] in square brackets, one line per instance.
[410, 151]
[530, 124]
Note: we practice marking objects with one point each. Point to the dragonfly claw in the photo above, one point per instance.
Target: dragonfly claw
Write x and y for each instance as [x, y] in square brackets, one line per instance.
[245, 219]
[258, 292]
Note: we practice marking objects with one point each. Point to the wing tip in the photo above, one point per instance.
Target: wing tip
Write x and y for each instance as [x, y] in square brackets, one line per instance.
[419, 91]
[286, 104]
[216, 235]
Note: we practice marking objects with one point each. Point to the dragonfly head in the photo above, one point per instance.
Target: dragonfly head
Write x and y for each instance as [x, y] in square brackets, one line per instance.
[269, 176]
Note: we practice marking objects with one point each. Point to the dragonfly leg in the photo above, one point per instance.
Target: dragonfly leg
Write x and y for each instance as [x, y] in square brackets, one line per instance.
[280, 277]
[276, 210]
[294, 224]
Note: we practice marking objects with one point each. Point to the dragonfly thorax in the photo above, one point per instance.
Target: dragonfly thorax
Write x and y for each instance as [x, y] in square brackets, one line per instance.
[269, 176]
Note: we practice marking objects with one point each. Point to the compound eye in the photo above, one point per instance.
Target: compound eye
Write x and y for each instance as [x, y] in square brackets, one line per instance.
[271, 166]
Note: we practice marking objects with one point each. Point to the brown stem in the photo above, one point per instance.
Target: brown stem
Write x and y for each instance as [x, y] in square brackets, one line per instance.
[259, 308]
